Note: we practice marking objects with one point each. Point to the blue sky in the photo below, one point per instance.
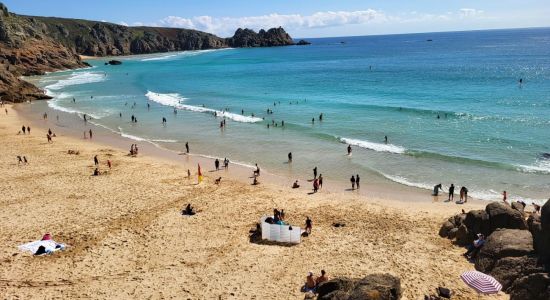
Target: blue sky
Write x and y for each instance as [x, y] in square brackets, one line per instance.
[302, 18]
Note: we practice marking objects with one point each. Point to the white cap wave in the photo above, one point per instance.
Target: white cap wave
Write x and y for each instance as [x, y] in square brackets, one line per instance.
[374, 146]
[174, 100]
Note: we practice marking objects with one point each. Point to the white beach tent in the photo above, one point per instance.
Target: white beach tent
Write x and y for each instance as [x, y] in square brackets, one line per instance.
[280, 233]
[49, 245]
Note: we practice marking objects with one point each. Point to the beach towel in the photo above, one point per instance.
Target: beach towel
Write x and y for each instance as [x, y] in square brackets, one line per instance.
[49, 245]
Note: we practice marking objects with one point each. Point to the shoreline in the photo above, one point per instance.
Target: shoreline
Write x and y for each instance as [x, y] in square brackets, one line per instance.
[388, 190]
[126, 238]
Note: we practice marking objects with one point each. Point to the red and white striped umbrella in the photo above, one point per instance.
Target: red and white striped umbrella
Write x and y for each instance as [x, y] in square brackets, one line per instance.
[481, 282]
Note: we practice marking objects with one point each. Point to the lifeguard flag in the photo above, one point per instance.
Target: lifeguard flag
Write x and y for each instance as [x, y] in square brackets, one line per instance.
[200, 174]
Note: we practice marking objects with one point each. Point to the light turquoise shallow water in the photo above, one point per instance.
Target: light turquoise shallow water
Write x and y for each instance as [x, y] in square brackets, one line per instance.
[492, 134]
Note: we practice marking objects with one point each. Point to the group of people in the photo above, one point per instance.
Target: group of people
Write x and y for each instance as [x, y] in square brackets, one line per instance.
[225, 164]
[50, 135]
[22, 160]
[312, 281]
[355, 181]
[278, 217]
[86, 133]
[463, 193]
[96, 164]
[25, 130]
[134, 150]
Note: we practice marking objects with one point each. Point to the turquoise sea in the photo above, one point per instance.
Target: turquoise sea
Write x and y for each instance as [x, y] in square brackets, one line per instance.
[450, 104]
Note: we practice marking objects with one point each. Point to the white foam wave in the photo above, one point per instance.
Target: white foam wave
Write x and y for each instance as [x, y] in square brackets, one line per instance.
[180, 54]
[76, 79]
[175, 100]
[53, 104]
[374, 146]
[159, 57]
[243, 164]
[541, 167]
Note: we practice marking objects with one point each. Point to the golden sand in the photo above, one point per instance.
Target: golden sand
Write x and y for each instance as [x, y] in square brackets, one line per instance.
[127, 239]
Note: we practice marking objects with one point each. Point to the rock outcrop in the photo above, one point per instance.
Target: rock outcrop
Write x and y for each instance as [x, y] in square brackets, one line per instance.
[516, 252]
[34, 45]
[372, 287]
[303, 43]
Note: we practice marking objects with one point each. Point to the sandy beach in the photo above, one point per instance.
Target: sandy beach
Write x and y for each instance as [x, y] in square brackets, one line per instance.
[126, 238]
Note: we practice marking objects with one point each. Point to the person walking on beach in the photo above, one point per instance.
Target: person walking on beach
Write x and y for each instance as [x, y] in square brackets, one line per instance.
[320, 181]
[226, 163]
[49, 138]
[217, 164]
[163, 121]
[24, 129]
[45, 116]
[187, 147]
[90, 134]
[349, 150]
[504, 197]
[96, 161]
[289, 157]
[352, 179]
[314, 172]
[451, 193]
[357, 180]
[28, 129]
[315, 185]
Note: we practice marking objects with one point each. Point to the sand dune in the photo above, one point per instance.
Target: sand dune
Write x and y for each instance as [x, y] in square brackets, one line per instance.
[127, 239]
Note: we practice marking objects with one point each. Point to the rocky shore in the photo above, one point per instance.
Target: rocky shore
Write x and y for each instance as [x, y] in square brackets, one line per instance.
[517, 248]
[35, 45]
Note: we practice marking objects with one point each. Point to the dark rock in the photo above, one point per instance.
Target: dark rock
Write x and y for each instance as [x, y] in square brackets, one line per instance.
[452, 233]
[477, 221]
[503, 216]
[531, 287]
[463, 236]
[509, 269]
[518, 206]
[545, 216]
[542, 237]
[503, 243]
[375, 286]
[244, 38]
[445, 228]
[115, 62]
[303, 43]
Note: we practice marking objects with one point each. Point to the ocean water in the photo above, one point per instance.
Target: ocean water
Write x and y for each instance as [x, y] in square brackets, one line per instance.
[452, 108]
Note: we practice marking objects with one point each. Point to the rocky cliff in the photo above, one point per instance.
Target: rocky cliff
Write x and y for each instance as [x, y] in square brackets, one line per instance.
[34, 45]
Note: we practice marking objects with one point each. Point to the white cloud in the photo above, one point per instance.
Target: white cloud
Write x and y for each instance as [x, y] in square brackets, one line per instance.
[226, 26]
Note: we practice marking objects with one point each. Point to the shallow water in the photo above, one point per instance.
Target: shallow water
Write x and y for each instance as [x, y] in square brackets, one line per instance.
[491, 134]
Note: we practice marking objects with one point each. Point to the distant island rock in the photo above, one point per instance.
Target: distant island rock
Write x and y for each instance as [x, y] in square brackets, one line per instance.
[35, 45]
[114, 62]
[303, 43]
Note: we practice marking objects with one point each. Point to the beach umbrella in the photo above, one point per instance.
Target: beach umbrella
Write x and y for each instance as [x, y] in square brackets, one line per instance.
[482, 283]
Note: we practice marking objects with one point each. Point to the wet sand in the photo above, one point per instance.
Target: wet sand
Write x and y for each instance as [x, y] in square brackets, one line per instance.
[127, 239]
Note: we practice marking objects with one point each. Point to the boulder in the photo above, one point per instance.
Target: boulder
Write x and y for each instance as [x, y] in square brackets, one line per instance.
[533, 287]
[477, 221]
[518, 206]
[374, 286]
[303, 43]
[503, 243]
[509, 269]
[503, 216]
[445, 228]
[542, 237]
[463, 236]
[115, 62]
[452, 233]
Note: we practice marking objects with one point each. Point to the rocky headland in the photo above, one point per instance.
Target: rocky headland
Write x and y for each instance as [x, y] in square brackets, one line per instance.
[35, 45]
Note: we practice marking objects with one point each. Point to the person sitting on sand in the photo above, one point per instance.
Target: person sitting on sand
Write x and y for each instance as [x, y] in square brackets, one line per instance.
[188, 211]
[96, 172]
[295, 185]
[322, 278]
[311, 282]
[475, 247]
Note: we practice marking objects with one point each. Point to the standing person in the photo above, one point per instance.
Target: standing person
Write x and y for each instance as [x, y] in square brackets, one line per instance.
[315, 185]
[289, 157]
[385, 139]
[352, 179]
[28, 129]
[257, 171]
[309, 225]
[465, 194]
[49, 137]
[504, 197]
[312, 120]
[320, 181]
[437, 187]
[451, 192]
[226, 163]
[109, 164]
[96, 161]
[462, 189]
[357, 180]
[321, 117]
[217, 164]
[187, 147]
[24, 129]
[315, 172]
[349, 149]
[90, 134]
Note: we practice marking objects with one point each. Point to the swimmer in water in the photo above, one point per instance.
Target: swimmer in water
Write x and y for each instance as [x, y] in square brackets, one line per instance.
[385, 139]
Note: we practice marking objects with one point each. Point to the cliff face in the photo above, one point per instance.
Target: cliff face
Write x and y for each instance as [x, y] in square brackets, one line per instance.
[34, 45]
